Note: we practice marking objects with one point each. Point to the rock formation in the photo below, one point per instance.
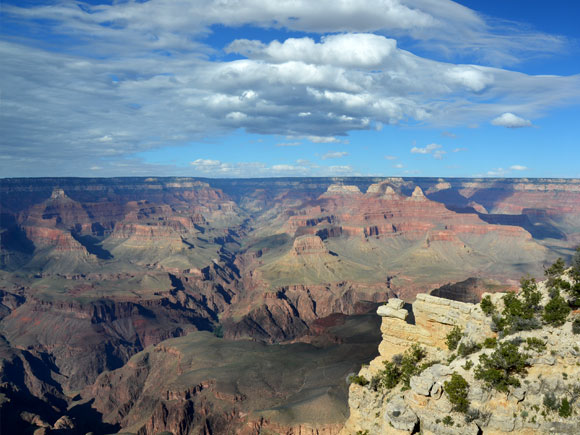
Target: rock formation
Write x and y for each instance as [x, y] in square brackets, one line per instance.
[305, 245]
[543, 398]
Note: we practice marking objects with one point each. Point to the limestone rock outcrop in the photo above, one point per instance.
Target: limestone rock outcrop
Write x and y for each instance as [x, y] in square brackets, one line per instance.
[424, 406]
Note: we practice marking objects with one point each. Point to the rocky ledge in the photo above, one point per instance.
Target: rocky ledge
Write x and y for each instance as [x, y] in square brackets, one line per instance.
[510, 364]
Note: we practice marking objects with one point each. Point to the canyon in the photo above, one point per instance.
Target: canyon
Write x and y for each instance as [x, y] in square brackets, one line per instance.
[118, 296]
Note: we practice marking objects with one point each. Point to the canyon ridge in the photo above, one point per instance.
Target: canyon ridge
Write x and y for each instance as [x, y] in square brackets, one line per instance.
[188, 305]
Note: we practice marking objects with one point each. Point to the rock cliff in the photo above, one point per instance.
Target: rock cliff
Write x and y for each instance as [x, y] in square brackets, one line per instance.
[541, 389]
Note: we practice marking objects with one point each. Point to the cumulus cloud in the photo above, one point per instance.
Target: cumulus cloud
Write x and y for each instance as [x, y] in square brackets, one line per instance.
[334, 155]
[324, 139]
[518, 168]
[360, 50]
[510, 120]
[391, 157]
[425, 150]
[398, 166]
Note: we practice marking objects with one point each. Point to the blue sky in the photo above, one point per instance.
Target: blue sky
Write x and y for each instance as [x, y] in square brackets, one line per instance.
[260, 88]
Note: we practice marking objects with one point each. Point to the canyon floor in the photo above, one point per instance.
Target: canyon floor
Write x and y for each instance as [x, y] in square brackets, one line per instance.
[203, 305]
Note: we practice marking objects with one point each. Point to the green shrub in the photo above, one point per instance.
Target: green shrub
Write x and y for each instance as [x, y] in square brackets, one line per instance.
[490, 342]
[551, 403]
[468, 364]
[447, 421]
[519, 310]
[555, 271]
[387, 378]
[410, 364]
[498, 369]
[457, 390]
[359, 380]
[466, 349]
[453, 338]
[487, 306]
[533, 343]
[576, 325]
[401, 370]
[530, 293]
[565, 408]
[556, 311]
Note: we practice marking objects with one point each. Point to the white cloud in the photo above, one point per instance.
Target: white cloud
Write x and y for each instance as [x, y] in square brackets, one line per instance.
[323, 139]
[439, 154]
[398, 166]
[391, 157]
[473, 78]
[334, 155]
[518, 168]
[288, 144]
[426, 150]
[459, 149]
[283, 168]
[359, 50]
[448, 134]
[510, 120]
[498, 172]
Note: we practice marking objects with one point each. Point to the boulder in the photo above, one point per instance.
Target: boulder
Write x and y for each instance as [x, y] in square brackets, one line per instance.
[423, 383]
[400, 416]
[387, 311]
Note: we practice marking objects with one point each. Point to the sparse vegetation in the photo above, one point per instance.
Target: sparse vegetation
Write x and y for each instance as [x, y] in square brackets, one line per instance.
[535, 344]
[487, 306]
[519, 310]
[490, 342]
[551, 403]
[400, 369]
[498, 370]
[565, 409]
[359, 380]
[556, 311]
[554, 272]
[457, 390]
[466, 349]
[453, 338]
[468, 364]
[447, 421]
[576, 325]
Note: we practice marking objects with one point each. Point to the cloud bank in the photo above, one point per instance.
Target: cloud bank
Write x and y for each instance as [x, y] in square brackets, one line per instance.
[136, 76]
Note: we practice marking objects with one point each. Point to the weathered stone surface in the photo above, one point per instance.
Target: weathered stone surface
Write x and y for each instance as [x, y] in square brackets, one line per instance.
[502, 422]
[387, 311]
[400, 416]
[430, 425]
[519, 394]
[396, 303]
[423, 383]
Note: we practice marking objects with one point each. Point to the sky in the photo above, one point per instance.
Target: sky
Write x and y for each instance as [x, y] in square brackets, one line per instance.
[279, 88]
